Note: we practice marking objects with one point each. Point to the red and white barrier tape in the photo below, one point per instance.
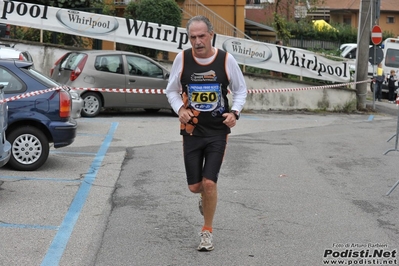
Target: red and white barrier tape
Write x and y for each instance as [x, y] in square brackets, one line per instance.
[29, 94]
[140, 91]
[163, 91]
[304, 88]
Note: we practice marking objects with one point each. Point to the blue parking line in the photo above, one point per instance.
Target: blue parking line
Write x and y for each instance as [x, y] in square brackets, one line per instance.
[371, 117]
[57, 247]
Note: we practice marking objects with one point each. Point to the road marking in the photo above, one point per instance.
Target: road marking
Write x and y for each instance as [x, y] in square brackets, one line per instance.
[57, 247]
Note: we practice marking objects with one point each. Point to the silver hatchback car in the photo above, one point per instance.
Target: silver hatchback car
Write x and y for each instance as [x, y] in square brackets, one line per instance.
[91, 72]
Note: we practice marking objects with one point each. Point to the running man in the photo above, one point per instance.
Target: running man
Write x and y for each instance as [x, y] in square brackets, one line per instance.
[197, 91]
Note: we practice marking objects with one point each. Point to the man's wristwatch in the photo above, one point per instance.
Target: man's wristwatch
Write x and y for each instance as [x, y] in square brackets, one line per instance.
[236, 113]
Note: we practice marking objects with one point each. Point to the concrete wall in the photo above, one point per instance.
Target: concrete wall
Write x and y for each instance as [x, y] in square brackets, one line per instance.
[305, 97]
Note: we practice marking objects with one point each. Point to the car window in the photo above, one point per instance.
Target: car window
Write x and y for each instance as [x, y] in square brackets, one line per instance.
[352, 53]
[392, 58]
[48, 82]
[71, 61]
[109, 63]
[143, 67]
[10, 82]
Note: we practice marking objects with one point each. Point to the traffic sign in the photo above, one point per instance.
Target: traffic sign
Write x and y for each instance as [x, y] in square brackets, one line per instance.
[376, 35]
[376, 54]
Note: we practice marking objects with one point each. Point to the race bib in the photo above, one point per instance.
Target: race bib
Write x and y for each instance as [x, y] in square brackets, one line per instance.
[204, 97]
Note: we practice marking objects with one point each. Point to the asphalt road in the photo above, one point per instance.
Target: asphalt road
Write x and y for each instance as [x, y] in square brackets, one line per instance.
[295, 189]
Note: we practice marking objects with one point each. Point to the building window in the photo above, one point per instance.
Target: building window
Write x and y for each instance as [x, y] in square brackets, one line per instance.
[347, 20]
[390, 20]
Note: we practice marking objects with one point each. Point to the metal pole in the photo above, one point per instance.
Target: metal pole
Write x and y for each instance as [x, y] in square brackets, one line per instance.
[375, 80]
[362, 53]
[396, 148]
[394, 186]
[372, 20]
[396, 135]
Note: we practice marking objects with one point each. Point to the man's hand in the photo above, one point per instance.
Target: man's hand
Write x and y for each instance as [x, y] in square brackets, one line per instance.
[185, 115]
[230, 119]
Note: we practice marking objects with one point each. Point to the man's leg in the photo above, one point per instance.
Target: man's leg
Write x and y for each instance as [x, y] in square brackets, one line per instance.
[209, 201]
[212, 155]
[208, 190]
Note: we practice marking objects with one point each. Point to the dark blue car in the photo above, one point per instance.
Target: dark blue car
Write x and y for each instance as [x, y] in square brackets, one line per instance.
[39, 113]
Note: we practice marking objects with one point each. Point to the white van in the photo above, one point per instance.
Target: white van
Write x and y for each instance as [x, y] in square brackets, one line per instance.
[391, 59]
[391, 55]
[348, 50]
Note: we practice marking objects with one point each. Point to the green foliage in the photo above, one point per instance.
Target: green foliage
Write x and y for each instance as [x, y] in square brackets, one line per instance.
[280, 24]
[48, 37]
[157, 11]
[388, 34]
[106, 9]
[254, 70]
[305, 29]
[130, 10]
[64, 3]
[346, 34]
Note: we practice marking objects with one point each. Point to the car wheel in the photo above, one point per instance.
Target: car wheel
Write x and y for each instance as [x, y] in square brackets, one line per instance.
[29, 148]
[92, 104]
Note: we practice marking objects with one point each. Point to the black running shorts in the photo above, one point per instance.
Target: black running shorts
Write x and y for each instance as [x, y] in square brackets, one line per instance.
[203, 157]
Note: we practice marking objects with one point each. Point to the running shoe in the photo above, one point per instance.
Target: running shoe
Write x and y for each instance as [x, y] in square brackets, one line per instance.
[206, 241]
[200, 205]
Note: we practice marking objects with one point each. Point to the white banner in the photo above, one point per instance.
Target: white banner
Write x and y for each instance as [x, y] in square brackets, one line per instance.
[173, 39]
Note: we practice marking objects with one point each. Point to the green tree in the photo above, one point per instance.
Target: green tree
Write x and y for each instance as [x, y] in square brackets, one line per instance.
[165, 12]
[159, 11]
[64, 3]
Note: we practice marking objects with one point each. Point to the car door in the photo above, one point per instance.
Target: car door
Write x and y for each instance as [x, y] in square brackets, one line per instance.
[142, 73]
[108, 73]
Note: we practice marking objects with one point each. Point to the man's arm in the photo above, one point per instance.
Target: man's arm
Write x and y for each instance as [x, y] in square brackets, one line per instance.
[237, 85]
[173, 89]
